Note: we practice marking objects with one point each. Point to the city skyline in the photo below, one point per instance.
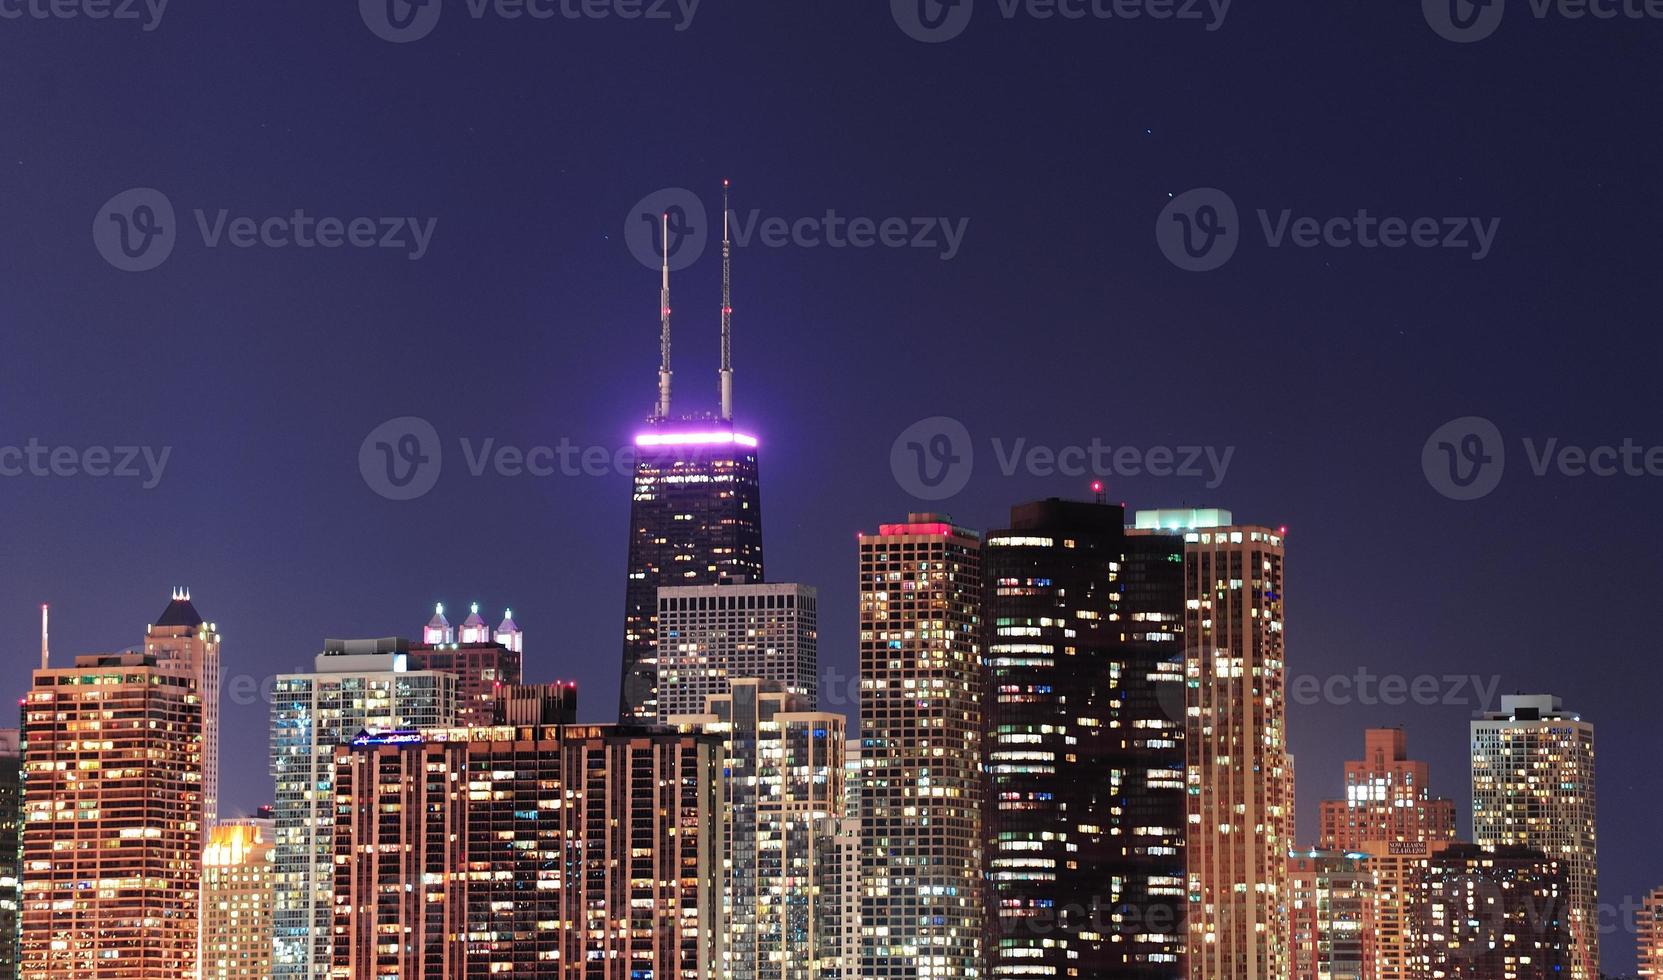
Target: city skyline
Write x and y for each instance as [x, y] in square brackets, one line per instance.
[1040, 329]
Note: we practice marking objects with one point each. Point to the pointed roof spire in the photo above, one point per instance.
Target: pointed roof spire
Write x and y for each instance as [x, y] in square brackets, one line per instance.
[727, 307]
[180, 612]
[474, 618]
[438, 628]
[663, 410]
[509, 633]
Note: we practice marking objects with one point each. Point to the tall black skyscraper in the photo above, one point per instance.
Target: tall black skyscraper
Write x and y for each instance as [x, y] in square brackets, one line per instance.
[696, 513]
[1084, 825]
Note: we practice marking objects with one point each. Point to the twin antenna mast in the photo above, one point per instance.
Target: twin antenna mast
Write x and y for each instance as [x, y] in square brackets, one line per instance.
[664, 372]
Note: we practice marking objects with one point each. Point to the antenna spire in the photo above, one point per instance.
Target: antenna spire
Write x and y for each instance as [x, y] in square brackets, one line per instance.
[664, 329]
[727, 308]
[45, 642]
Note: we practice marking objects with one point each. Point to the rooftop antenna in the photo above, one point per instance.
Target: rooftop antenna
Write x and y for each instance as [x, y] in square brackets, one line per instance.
[727, 308]
[664, 329]
[45, 642]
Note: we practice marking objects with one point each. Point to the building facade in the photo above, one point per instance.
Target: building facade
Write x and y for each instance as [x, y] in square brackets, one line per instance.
[182, 637]
[484, 661]
[356, 686]
[1240, 773]
[11, 826]
[782, 801]
[554, 703]
[579, 852]
[237, 900]
[695, 517]
[1084, 826]
[709, 635]
[1649, 936]
[1533, 786]
[1400, 870]
[922, 906]
[1495, 914]
[112, 809]
[1330, 915]
[1388, 797]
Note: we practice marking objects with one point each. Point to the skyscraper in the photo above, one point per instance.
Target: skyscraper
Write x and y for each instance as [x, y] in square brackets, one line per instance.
[554, 703]
[696, 510]
[1084, 829]
[782, 799]
[1494, 914]
[112, 836]
[1533, 786]
[1390, 814]
[709, 635]
[1400, 870]
[11, 824]
[181, 636]
[575, 852]
[1388, 797]
[1331, 915]
[922, 905]
[483, 660]
[237, 899]
[1649, 936]
[357, 686]
[1240, 774]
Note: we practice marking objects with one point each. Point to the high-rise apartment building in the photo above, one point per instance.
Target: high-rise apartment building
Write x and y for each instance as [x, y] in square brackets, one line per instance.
[1330, 915]
[1240, 773]
[921, 793]
[112, 809]
[1389, 813]
[848, 864]
[1533, 786]
[1084, 826]
[1399, 870]
[576, 852]
[237, 898]
[1649, 936]
[782, 800]
[181, 636]
[708, 635]
[356, 686]
[1388, 797]
[11, 825]
[695, 518]
[1494, 914]
[484, 660]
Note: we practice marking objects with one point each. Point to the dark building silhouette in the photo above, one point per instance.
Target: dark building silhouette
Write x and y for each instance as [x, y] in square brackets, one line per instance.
[695, 518]
[1084, 825]
[1495, 913]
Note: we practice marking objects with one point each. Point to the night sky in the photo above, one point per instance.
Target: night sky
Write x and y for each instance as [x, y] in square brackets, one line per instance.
[1057, 321]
